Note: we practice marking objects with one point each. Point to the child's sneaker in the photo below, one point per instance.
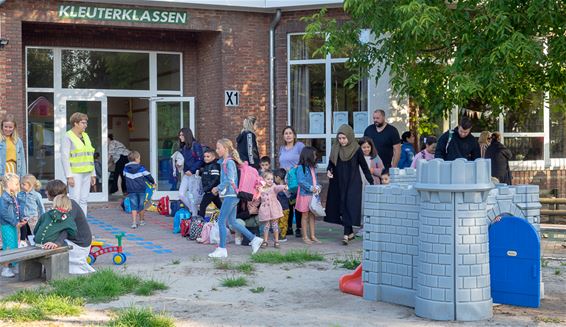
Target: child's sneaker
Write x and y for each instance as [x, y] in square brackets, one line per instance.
[238, 239]
[142, 223]
[283, 239]
[7, 272]
[134, 226]
[219, 253]
[22, 244]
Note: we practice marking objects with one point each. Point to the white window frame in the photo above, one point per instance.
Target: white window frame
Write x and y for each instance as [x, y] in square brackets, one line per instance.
[327, 62]
[60, 92]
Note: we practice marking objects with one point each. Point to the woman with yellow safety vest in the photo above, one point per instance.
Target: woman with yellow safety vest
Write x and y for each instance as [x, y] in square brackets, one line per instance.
[78, 160]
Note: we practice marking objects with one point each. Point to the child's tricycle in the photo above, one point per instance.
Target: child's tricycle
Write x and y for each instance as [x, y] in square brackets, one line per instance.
[97, 248]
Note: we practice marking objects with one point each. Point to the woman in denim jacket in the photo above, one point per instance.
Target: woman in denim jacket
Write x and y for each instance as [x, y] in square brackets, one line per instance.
[12, 155]
[305, 176]
[227, 190]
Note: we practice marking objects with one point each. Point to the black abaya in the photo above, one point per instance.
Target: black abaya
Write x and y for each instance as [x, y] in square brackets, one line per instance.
[344, 201]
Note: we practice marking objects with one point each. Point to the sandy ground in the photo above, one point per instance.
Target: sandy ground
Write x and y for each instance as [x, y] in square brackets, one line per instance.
[305, 295]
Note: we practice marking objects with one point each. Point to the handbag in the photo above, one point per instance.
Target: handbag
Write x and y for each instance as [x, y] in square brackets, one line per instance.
[197, 224]
[315, 206]
[292, 182]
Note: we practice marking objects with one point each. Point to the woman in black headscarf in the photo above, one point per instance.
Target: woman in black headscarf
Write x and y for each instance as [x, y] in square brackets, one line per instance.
[344, 201]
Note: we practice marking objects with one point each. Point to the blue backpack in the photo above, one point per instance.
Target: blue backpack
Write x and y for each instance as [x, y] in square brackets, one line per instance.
[292, 182]
[181, 214]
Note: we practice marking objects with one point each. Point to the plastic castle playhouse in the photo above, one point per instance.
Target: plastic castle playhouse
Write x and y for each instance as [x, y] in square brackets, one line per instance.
[426, 242]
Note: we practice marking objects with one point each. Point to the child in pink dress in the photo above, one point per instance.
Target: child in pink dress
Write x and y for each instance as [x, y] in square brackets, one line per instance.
[270, 210]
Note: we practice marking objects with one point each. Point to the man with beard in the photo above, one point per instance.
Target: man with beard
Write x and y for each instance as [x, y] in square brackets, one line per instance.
[386, 140]
[458, 143]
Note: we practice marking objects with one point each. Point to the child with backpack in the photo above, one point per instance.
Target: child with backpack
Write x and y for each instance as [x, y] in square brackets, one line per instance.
[427, 152]
[270, 210]
[210, 177]
[136, 176]
[229, 192]
[279, 178]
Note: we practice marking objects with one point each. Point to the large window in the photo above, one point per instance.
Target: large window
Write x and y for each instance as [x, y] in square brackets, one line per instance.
[319, 102]
[533, 143]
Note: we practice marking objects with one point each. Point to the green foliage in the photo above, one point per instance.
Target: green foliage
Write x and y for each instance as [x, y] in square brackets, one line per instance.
[482, 55]
[140, 317]
[291, 256]
[149, 287]
[256, 290]
[234, 282]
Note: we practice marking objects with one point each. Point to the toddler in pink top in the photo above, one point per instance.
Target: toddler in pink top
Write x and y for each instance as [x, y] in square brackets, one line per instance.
[270, 210]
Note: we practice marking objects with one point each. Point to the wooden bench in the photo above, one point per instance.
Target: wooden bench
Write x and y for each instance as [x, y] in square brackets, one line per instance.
[32, 259]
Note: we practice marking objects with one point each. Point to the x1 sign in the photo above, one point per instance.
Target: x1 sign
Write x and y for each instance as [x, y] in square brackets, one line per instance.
[231, 98]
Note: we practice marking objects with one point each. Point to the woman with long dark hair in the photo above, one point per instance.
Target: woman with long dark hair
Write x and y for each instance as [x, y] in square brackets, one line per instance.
[193, 155]
[289, 155]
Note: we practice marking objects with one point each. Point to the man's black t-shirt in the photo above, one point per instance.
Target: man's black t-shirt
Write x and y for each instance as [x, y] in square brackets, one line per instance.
[384, 142]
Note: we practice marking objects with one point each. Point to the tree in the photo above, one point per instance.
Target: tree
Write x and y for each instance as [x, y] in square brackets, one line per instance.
[485, 55]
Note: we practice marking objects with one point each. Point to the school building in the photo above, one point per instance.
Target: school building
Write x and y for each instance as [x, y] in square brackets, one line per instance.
[142, 69]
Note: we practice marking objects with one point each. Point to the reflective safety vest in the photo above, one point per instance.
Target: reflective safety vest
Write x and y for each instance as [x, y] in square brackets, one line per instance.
[82, 157]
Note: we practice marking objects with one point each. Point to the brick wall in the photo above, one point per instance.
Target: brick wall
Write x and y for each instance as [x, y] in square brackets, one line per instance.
[221, 49]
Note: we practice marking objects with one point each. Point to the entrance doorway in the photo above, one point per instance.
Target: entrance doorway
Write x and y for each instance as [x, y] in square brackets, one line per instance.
[147, 125]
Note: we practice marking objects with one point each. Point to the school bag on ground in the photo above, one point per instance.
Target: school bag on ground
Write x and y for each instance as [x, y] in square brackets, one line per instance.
[182, 214]
[185, 227]
[175, 206]
[205, 233]
[249, 180]
[197, 224]
[163, 205]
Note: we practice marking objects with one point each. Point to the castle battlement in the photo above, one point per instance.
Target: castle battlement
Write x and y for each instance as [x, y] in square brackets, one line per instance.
[426, 237]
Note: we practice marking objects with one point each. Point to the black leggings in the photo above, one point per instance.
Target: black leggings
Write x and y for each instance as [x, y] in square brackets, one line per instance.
[118, 173]
[348, 230]
[298, 216]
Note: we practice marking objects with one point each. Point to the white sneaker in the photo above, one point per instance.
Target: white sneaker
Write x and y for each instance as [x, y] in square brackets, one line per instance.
[256, 243]
[7, 272]
[134, 226]
[22, 244]
[219, 253]
[142, 223]
[238, 240]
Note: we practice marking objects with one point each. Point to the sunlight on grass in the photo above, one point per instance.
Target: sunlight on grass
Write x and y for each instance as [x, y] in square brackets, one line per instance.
[234, 282]
[291, 256]
[140, 317]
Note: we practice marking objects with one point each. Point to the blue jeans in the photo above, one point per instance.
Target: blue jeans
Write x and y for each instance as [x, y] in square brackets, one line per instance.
[228, 211]
[137, 201]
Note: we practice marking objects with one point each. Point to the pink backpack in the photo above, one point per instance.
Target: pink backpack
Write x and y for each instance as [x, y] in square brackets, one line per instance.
[205, 234]
[249, 180]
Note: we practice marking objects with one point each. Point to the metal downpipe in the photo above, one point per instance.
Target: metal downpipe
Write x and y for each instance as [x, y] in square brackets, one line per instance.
[272, 105]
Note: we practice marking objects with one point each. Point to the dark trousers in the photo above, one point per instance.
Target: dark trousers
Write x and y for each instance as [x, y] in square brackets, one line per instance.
[118, 172]
[207, 198]
[298, 216]
[24, 232]
[348, 230]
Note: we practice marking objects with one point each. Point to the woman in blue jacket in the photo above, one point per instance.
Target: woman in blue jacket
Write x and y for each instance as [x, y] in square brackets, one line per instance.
[12, 155]
[193, 154]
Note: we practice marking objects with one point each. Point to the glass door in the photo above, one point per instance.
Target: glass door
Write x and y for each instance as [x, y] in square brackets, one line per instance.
[168, 116]
[96, 109]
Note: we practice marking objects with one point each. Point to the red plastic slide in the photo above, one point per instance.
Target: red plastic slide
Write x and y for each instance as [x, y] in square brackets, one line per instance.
[352, 283]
